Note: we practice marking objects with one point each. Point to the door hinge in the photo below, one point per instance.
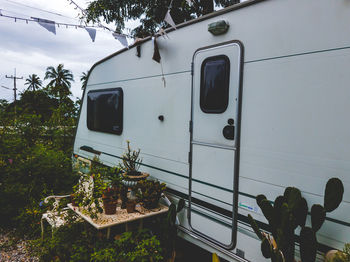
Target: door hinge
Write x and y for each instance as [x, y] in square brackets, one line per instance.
[190, 126]
[192, 68]
[189, 157]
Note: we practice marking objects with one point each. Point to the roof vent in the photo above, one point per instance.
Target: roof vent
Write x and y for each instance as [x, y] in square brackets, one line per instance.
[218, 28]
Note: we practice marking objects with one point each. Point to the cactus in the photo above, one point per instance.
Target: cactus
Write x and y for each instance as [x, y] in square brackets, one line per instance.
[308, 244]
[318, 215]
[266, 248]
[255, 227]
[287, 213]
[333, 194]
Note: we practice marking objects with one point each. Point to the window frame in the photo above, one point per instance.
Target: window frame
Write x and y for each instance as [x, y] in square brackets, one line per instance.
[227, 81]
[121, 94]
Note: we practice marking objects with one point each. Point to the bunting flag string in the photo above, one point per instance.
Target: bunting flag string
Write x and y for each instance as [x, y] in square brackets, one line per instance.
[120, 37]
[36, 20]
[51, 27]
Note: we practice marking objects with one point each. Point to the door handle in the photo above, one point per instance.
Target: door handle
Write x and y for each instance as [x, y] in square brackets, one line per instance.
[229, 131]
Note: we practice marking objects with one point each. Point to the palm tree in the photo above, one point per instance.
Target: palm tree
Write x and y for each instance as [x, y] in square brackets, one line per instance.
[60, 81]
[33, 82]
[83, 79]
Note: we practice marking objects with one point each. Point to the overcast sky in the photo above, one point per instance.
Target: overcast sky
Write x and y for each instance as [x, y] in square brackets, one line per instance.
[30, 48]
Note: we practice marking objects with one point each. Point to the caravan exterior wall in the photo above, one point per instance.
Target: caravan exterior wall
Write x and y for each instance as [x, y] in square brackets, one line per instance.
[286, 100]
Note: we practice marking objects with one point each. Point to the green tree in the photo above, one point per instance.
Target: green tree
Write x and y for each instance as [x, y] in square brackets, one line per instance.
[83, 79]
[33, 82]
[150, 12]
[37, 102]
[60, 83]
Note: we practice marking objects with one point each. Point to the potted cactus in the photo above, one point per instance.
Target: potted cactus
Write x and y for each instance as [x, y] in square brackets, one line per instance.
[288, 212]
[131, 163]
[150, 192]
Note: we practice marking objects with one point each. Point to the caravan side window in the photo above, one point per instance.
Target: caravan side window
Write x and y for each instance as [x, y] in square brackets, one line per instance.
[105, 110]
[215, 78]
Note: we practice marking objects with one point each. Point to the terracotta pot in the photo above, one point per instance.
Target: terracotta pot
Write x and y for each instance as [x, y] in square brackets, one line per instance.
[151, 203]
[130, 206]
[110, 206]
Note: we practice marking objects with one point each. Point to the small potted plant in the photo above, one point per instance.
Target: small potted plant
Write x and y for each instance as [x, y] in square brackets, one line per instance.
[131, 163]
[130, 205]
[149, 193]
[110, 199]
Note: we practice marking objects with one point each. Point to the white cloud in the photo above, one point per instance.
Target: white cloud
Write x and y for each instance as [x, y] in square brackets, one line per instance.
[30, 48]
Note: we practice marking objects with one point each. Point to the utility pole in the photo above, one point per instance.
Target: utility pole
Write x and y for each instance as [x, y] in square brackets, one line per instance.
[14, 84]
[15, 88]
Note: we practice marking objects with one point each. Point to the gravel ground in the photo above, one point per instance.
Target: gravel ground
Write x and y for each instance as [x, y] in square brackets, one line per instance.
[13, 249]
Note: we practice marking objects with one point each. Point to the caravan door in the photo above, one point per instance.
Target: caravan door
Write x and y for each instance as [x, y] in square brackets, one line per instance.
[214, 155]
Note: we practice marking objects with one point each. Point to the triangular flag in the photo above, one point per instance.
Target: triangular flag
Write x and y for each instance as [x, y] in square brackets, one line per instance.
[92, 33]
[163, 33]
[169, 19]
[47, 24]
[156, 54]
[121, 39]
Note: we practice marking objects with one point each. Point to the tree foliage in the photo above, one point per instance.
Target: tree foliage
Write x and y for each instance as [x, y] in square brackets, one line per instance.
[150, 12]
[35, 150]
[83, 79]
[60, 82]
[33, 82]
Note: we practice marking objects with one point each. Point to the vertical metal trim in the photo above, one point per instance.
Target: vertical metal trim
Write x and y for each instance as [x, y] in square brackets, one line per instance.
[237, 152]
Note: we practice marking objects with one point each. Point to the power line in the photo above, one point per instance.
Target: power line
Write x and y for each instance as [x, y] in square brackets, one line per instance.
[39, 9]
[53, 22]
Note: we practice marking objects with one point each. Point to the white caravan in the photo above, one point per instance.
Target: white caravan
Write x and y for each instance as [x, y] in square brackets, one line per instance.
[226, 117]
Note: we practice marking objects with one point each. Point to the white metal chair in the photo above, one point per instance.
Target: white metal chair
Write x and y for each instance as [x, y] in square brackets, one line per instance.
[57, 217]
[54, 217]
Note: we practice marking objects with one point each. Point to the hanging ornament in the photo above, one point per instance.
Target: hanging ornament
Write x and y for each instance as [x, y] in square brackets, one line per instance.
[156, 55]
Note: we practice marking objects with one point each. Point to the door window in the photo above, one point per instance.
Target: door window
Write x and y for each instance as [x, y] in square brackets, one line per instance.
[214, 86]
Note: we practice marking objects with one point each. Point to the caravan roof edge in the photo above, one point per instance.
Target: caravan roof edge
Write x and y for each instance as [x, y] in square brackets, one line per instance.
[197, 20]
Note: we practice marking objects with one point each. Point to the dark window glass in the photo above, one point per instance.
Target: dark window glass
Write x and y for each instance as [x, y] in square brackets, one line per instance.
[215, 78]
[105, 110]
